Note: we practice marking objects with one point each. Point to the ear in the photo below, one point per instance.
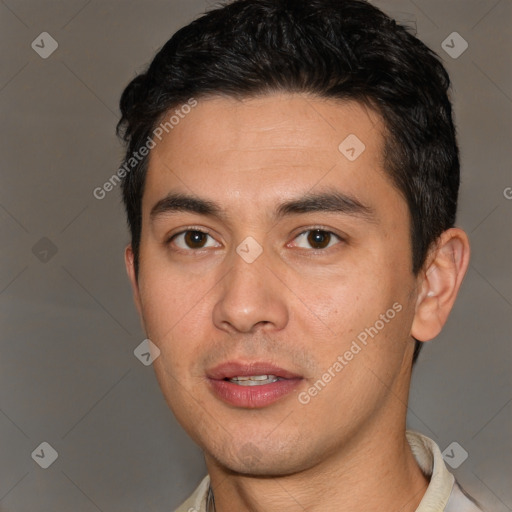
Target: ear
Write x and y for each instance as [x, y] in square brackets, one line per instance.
[130, 270]
[439, 283]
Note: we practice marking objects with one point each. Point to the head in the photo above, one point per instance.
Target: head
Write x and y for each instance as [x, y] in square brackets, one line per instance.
[267, 96]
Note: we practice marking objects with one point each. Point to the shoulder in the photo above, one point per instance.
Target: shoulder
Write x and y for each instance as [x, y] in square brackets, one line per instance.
[197, 500]
[443, 492]
[460, 501]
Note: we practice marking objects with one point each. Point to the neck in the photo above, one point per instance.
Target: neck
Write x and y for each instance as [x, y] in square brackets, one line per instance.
[377, 474]
[372, 470]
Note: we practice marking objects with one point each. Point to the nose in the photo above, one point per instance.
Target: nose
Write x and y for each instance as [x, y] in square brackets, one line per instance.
[251, 297]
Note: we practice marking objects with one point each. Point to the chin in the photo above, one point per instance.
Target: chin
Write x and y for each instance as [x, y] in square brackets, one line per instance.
[252, 460]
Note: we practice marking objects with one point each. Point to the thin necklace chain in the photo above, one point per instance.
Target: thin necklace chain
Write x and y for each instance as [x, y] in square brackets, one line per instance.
[210, 501]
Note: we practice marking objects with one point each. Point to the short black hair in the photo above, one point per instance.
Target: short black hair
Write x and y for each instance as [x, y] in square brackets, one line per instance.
[342, 49]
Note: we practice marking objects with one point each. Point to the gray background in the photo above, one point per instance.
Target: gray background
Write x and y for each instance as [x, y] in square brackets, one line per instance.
[68, 374]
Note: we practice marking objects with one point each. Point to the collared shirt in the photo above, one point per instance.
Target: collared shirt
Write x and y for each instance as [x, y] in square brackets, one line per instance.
[443, 494]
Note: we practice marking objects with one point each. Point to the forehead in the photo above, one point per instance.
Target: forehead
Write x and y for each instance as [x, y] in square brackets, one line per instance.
[263, 148]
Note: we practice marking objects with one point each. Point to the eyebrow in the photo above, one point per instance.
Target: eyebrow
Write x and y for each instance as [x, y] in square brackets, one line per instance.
[329, 201]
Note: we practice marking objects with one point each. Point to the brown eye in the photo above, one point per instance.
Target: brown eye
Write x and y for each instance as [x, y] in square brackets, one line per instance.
[193, 239]
[316, 239]
[319, 239]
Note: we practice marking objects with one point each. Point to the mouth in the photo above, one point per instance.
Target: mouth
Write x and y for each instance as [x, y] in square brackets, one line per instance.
[251, 385]
[254, 380]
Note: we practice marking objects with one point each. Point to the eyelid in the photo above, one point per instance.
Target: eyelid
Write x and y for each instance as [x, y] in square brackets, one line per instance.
[182, 231]
[170, 238]
[341, 238]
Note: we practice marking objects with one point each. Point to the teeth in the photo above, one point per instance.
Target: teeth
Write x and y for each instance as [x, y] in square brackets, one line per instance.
[254, 380]
[254, 377]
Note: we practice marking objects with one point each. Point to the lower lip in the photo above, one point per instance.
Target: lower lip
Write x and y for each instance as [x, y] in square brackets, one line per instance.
[253, 397]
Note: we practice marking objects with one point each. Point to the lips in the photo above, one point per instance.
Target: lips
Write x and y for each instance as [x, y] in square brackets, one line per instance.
[233, 369]
[231, 382]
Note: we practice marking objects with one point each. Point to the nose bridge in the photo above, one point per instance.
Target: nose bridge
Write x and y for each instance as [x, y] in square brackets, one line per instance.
[250, 293]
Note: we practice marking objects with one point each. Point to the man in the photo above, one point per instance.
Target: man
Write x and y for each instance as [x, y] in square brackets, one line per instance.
[291, 182]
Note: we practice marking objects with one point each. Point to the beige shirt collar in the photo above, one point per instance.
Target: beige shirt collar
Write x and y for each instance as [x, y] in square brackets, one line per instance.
[442, 494]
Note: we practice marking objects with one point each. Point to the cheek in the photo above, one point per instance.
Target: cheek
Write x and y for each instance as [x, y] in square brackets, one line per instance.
[364, 307]
[174, 309]
[348, 302]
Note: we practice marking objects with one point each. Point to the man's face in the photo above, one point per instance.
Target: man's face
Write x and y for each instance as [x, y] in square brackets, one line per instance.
[332, 284]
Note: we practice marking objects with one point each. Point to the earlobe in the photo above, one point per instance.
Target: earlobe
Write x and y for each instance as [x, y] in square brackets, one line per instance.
[130, 270]
[440, 283]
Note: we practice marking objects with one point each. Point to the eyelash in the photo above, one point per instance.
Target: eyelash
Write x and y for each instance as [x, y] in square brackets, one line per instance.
[169, 241]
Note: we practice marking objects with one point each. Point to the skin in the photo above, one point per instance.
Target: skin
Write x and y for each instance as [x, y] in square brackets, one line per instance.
[296, 305]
